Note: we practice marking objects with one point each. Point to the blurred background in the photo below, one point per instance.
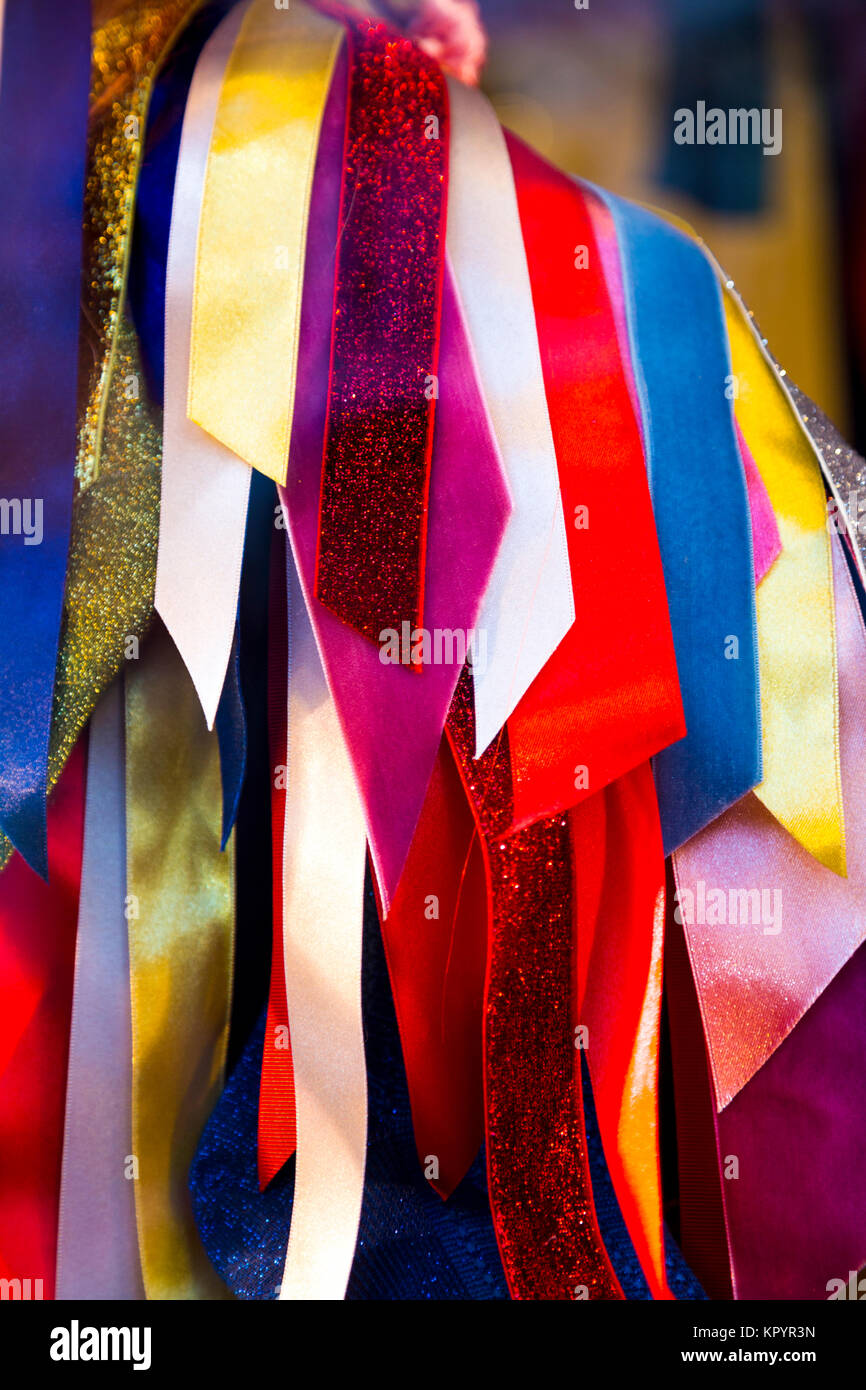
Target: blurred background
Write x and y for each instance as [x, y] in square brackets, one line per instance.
[595, 90]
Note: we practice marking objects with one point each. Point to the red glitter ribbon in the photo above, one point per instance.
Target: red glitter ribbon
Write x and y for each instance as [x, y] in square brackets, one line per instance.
[385, 340]
[538, 1165]
[609, 696]
[277, 1134]
[38, 925]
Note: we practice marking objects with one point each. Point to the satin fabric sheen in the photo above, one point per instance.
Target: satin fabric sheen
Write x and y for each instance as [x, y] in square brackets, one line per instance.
[252, 232]
[324, 854]
[97, 1240]
[619, 656]
[204, 488]
[393, 717]
[757, 979]
[180, 911]
[766, 543]
[37, 960]
[797, 644]
[677, 335]
[43, 148]
[528, 605]
[619, 927]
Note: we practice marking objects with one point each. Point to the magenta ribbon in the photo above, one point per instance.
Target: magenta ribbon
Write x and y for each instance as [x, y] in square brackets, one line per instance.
[392, 716]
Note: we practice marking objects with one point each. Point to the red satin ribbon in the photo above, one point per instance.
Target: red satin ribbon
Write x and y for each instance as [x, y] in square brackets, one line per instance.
[277, 1135]
[38, 924]
[538, 1167]
[619, 908]
[703, 1220]
[385, 343]
[436, 945]
[609, 696]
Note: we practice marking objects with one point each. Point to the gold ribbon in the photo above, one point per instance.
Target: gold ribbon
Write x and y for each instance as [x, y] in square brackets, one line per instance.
[796, 614]
[115, 516]
[253, 231]
[180, 910]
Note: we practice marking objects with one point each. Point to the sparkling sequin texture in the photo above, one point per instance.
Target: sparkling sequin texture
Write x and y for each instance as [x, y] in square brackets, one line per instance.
[383, 384]
[115, 520]
[845, 468]
[538, 1164]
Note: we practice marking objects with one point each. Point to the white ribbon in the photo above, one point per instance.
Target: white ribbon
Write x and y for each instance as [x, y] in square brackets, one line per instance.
[205, 486]
[324, 852]
[529, 603]
[97, 1241]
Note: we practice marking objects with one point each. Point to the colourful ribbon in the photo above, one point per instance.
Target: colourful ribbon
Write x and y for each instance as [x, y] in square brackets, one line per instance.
[253, 229]
[204, 485]
[324, 854]
[109, 580]
[757, 978]
[97, 1240]
[801, 786]
[43, 147]
[619, 658]
[619, 916]
[680, 359]
[435, 937]
[277, 1121]
[392, 717]
[180, 910]
[528, 605]
[372, 551]
[37, 961]
[538, 1167]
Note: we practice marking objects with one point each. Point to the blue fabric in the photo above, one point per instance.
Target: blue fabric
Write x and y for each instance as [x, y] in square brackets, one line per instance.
[411, 1244]
[682, 370]
[43, 147]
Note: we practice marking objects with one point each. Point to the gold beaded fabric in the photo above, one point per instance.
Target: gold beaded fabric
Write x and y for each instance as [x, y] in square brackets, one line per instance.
[115, 518]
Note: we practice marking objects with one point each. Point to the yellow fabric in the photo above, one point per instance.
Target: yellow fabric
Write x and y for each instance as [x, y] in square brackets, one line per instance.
[180, 909]
[802, 784]
[253, 230]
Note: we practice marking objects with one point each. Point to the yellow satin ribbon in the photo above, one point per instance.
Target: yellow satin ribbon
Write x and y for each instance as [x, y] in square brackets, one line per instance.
[253, 231]
[796, 615]
[180, 910]
[802, 784]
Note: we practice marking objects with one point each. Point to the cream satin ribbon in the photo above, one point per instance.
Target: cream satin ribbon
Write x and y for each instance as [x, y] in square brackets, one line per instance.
[253, 229]
[205, 486]
[802, 784]
[180, 910]
[529, 603]
[97, 1242]
[324, 852]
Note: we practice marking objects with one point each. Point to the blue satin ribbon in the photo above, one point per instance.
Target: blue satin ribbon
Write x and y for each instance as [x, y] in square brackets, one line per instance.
[43, 148]
[682, 369]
